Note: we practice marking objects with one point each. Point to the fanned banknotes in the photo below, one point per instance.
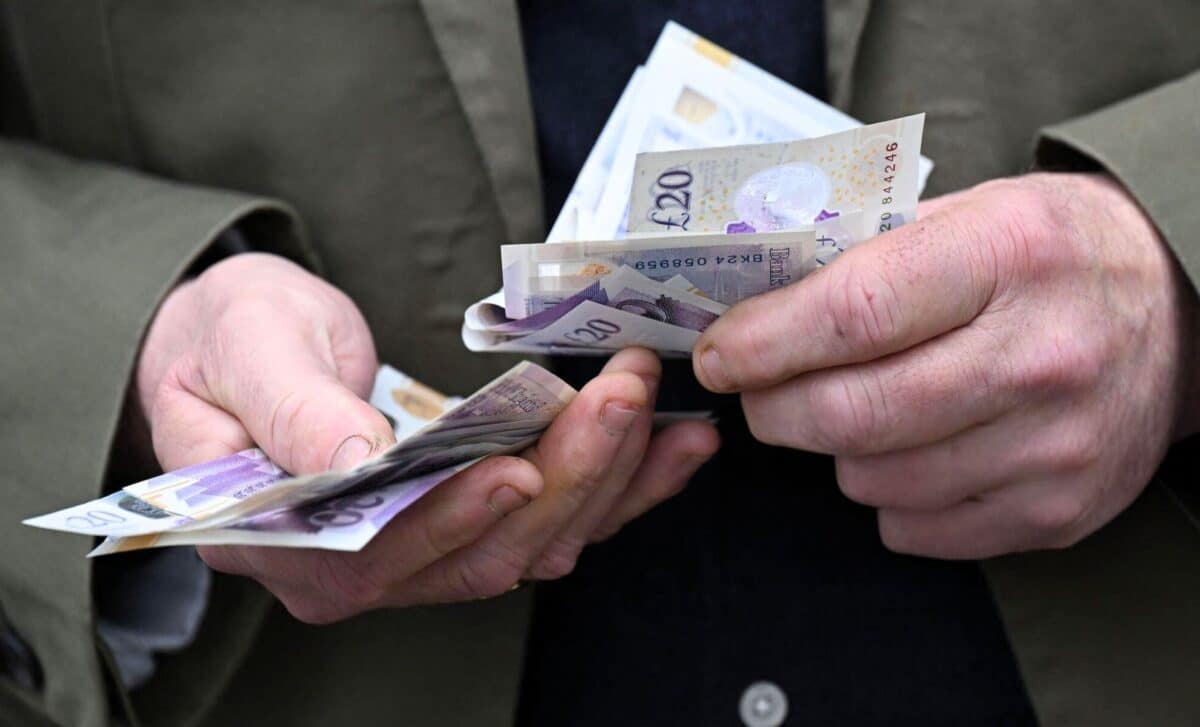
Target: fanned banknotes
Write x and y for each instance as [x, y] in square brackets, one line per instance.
[694, 94]
[219, 502]
[702, 149]
[245, 498]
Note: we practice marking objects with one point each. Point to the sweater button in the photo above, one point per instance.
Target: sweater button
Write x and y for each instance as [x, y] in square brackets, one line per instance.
[763, 705]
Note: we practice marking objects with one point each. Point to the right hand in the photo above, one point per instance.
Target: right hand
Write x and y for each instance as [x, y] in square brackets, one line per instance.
[257, 352]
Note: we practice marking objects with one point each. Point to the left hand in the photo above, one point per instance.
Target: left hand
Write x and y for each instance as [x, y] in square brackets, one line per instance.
[504, 518]
[1003, 375]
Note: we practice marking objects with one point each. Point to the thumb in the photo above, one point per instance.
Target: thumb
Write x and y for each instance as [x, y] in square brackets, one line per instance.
[313, 423]
[293, 405]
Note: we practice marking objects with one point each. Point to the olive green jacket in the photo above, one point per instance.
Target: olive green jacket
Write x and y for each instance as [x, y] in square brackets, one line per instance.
[388, 144]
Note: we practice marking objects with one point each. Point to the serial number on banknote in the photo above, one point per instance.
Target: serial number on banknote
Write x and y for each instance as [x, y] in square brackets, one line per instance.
[693, 262]
[889, 169]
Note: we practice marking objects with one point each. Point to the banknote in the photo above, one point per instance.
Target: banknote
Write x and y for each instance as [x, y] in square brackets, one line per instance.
[504, 416]
[679, 282]
[725, 268]
[563, 326]
[347, 522]
[867, 174]
[694, 94]
[595, 328]
[123, 514]
[407, 403]
[624, 289]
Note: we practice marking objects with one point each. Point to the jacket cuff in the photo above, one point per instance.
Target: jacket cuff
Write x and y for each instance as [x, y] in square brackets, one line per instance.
[90, 251]
[1149, 143]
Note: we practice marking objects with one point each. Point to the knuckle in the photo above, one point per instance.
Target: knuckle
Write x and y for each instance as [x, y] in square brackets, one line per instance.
[553, 566]
[312, 611]
[664, 491]
[558, 560]
[858, 483]
[1073, 453]
[1026, 216]
[516, 471]
[757, 351]
[766, 422]
[1055, 518]
[862, 306]
[581, 476]
[225, 559]
[494, 573]
[282, 420]
[605, 532]
[897, 538]
[350, 583]
[848, 413]
[438, 532]
[250, 310]
[1060, 364]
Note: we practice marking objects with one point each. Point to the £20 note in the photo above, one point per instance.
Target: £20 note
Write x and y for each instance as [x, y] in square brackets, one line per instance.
[861, 181]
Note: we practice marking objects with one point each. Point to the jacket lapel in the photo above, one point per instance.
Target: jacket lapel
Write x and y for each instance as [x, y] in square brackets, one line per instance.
[844, 23]
[480, 44]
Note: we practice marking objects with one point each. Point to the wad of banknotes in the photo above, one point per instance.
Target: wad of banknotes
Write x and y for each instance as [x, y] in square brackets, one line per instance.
[712, 181]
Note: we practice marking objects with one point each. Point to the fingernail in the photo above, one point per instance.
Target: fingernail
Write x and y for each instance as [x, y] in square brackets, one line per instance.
[506, 500]
[714, 370]
[618, 416]
[350, 452]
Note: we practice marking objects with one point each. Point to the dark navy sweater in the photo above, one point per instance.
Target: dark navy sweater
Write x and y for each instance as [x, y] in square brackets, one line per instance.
[761, 570]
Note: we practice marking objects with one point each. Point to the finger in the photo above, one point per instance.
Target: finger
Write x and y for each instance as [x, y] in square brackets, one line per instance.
[967, 464]
[908, 399]
[453, 515]
[880, 297]
[559, 556]
[1030, 515]
[187, 430]
[319, 586]
[283, 387]
[575, 456]
[672, 459]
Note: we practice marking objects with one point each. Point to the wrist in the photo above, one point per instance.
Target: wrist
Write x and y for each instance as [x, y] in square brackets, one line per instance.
[1178, 331]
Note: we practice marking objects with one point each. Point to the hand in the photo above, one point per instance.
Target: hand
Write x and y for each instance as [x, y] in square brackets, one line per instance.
[255, 350]
[1003, 375]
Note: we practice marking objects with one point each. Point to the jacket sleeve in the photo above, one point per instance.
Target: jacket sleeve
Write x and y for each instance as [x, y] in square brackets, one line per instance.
[1151, 144]
[87, 251]
[1094, 619]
